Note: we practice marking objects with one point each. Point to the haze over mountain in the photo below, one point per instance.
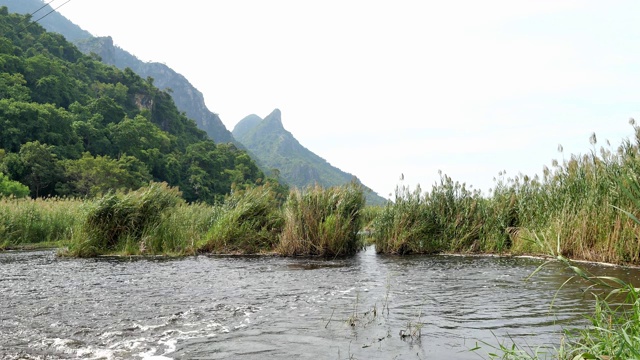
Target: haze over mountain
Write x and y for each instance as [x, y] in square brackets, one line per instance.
[276, 148]
[297, 165]
[187, 98]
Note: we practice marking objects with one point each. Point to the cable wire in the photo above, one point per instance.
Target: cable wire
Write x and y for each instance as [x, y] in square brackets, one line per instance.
[45, 15]
[42, 7]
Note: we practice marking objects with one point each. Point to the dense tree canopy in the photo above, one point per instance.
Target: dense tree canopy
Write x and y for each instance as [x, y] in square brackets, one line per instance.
[70, 125]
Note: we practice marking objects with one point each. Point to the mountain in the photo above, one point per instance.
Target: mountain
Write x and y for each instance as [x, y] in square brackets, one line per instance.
[73, 126]
[303, 168]
[186, 97]
[276, 148]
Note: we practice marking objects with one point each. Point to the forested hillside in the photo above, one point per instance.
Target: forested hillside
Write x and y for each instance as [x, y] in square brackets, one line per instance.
[187, 98]
[71, 125]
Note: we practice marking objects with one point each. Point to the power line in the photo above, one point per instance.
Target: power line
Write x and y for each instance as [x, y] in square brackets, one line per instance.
[42, 7]
[45, 15]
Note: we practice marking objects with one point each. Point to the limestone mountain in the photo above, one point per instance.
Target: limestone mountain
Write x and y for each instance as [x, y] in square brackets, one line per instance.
[273, 147]
[186, 97]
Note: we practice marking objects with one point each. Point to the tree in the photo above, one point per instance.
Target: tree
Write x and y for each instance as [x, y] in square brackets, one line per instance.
[12, 188]
[38, 168]
[91, 176]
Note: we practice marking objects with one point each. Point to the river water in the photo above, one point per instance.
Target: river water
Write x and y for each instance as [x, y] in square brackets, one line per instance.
[213, 307]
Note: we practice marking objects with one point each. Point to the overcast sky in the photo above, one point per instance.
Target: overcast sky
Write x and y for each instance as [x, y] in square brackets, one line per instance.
[384, 88]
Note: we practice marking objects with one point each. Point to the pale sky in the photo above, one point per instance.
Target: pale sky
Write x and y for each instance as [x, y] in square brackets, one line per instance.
[384, 88]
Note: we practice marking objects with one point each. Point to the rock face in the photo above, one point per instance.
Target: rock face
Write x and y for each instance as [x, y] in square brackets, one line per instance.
[274, 147]
[186, 97]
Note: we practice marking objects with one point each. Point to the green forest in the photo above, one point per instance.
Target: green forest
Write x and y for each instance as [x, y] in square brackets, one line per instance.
[71, 126]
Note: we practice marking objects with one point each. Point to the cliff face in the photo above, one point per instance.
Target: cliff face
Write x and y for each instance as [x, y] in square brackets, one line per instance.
[186, 97]
[276, 148]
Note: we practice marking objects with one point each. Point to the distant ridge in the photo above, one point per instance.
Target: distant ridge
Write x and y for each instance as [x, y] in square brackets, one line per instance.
[187, 98]
[276, 148]
[301, 166]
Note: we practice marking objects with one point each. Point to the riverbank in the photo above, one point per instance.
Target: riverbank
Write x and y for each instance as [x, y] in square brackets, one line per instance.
[155, 220]
[586, 207]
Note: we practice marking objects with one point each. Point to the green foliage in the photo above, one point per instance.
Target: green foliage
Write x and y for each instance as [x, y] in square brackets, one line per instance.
[248, 222]
[123, 222]
[450, 217]
[576, 199]
[70, 105]
[9, 188]
[181, 229]
[92, 176]
[36, 166]
[36, 221]
[322, 222]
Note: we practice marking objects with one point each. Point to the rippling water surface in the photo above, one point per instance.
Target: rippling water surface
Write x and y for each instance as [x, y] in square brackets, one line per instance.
[208, 307]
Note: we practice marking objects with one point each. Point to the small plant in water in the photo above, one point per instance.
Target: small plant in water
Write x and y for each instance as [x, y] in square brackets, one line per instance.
[413, 331]
[615, 324]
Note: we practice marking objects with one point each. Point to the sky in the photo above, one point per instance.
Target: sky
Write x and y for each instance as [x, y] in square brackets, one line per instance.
[398, 89]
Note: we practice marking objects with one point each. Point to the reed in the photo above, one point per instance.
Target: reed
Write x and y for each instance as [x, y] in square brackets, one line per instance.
[451, 217]
[124, 222]
[248, 222]
[614, 330]
[576, 198]
[180, 230]
[29, 222]
[322, 221]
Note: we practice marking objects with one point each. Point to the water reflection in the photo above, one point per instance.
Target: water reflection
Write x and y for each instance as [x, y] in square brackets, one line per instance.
[271, 307]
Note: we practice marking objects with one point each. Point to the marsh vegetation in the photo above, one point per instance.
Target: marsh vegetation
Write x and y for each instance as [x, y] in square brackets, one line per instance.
[585, 207]
[579, 200]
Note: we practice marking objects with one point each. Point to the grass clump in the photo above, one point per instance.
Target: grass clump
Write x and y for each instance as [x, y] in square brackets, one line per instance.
[576, 198]
[124, 222]
[248, 222]
[322, 221]
[449, 218]
[38, 222]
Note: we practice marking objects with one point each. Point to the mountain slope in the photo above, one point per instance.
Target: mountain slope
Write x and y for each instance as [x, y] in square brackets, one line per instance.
[73, 126]
[276, 148]
[186, 97]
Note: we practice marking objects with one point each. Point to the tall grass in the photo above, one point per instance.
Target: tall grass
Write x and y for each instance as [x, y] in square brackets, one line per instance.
[155, 220]
[451, 217]
[322, 221]
[124, 222]
[614, 330]
[37, 222]
[575, 198]
[248, 222]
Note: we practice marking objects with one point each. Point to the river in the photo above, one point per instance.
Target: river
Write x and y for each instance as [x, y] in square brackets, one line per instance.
[214, 307]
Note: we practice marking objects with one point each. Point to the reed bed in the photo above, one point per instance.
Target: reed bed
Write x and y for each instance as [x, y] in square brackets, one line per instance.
[38, 222]
[125, 222]
[155, 220]
[579, 199]
[322, 221]
[249, 222]
[449, 218]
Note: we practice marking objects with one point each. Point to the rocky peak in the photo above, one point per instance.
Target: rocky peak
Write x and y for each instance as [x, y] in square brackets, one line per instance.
[274, 120]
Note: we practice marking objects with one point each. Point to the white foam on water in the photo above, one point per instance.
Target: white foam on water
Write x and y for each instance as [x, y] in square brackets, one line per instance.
[85, 352]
